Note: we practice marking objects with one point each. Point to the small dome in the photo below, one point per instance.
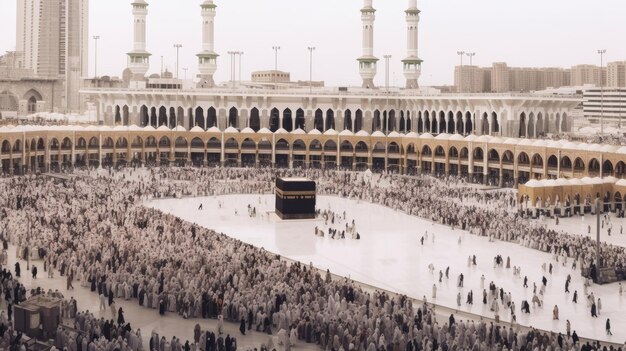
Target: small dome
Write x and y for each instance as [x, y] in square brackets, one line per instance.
[315, 132]
[214, 130]
[163, 128]
[247, 130]
[331, 132]
[298, 131]
[264, 131]
[149, 129]
[231, 130]
[378, 134]
[282, 131]
[362, 133]
[426, 136]
[412, 135]
[197, 129]
[346, 132]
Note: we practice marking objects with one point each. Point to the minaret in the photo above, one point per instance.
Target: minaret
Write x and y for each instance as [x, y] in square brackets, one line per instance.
[412, 63]
[207, 59]
[367, 62]
[139, 58]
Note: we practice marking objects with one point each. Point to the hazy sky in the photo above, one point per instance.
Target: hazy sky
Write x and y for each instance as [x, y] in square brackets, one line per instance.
[521, 33]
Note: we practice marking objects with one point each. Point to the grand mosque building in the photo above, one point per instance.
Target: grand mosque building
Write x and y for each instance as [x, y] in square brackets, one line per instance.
[487, 137]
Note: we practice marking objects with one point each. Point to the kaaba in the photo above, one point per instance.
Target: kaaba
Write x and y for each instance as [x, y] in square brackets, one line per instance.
[295, 198]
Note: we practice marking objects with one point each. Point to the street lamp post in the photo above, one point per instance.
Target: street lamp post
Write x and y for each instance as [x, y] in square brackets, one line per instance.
[95, 39]
[275, 48]
[471, 56]
[601, 52]
[232, 68]
[461, 53]
[311, 49]
[240, 58]
[387, 57]
[177, 46]
[597, 236]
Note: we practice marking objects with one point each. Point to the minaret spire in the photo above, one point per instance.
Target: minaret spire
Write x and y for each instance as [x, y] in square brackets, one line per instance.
[139, 58]
[207, 59]
[367, 62]
[412, 64]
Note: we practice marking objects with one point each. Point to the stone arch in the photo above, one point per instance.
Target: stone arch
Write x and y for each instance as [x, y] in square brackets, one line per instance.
[478, 154]
[347, 120]
[459, 122]
[453, 152]
[426, 122]
[442, 128]
[199, 120]
[346, 146]
[197, 143]
[439, 151]
[620, 169]
[485, 121]
[450, 123]
[274, 120]
[233, 117]
[330, 145]
[300, 121]
[522, 125]
[566, 163]
[495, 125]
[298, 145]
[172, 118]
[358, 121]
[579, 165]
[553, 161]
[594, 166]
[330, 120]
[318, 121]
[523, 159]
[391, 122]
[162, 116]
[539, 126]
[607, 168]
[426, 151]
[537, 161]
[32, 97]
[255, 120]
[211, 118]
[507, 157]
[376, 121]
[469, 125]
[393, 148]
[125, 115]
[315, 145]
[287, 120]
[121, 143]
[408, 122]
[531, 126]
[493, 156]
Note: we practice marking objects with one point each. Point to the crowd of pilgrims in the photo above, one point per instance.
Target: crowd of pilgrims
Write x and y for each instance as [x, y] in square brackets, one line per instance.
[93, 228]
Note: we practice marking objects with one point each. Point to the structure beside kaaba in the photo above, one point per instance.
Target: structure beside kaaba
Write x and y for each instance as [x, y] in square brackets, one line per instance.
[295, 198]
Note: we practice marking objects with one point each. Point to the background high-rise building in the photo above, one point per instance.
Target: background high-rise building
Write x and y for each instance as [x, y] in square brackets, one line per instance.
[588, 74]
[53, 36]
[616, 74]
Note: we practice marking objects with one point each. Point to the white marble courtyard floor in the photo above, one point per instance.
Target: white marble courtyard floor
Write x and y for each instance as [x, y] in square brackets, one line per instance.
[390, 256]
